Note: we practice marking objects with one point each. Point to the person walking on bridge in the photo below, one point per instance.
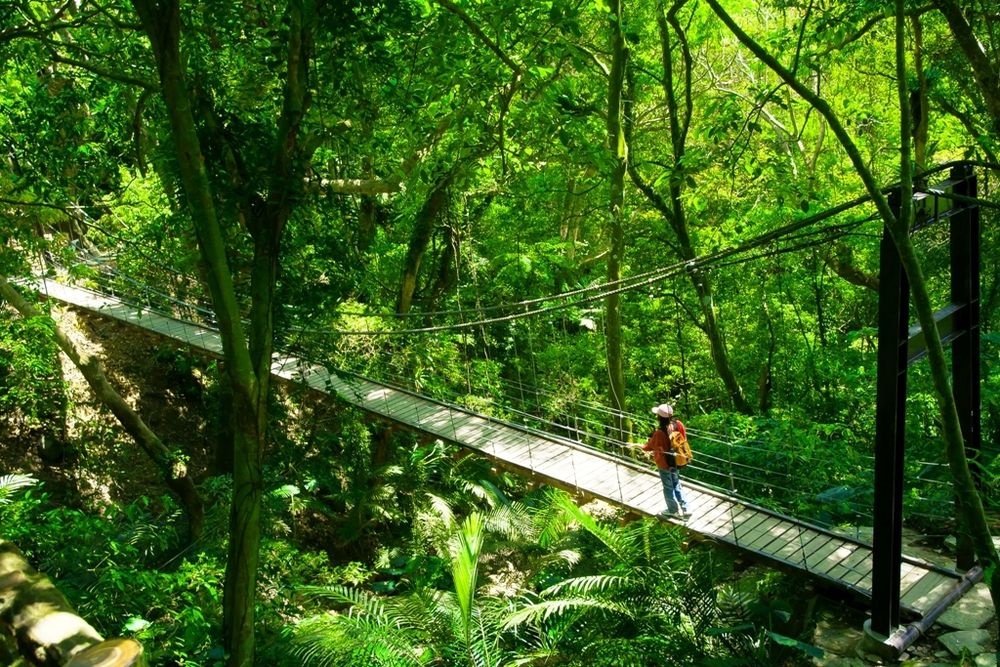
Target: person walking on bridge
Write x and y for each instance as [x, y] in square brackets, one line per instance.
[666, 462]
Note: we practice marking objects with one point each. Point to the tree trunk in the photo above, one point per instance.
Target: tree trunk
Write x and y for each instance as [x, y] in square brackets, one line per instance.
[45, 626]
[986, 75]
[673, 211]
[247, 359]
[970, 507]
[616, 231]
[170, 466]
[161, 21]
[420, 237]
[919, 106]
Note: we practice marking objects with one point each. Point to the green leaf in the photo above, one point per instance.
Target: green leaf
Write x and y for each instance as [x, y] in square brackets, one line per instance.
[808, 649]
[136, 624]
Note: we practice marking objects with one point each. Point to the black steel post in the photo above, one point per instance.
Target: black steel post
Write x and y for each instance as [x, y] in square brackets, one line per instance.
[965, 361]
[890, 418]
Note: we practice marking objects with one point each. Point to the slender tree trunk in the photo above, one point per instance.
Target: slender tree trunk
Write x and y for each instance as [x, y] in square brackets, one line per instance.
[986, 75]
[170, 466]
[161, 21]
[919, 106]
[616, 230]
[969, 503]
[679, 113]
[420, 237]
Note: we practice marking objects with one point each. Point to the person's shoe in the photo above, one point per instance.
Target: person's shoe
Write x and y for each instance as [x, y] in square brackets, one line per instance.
[684, 514]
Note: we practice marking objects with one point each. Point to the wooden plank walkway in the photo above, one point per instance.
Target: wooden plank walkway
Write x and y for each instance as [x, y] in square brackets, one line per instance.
[826, 555]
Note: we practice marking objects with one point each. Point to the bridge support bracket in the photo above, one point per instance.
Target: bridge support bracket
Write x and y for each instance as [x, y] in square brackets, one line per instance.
[893, 646]
[887, 648]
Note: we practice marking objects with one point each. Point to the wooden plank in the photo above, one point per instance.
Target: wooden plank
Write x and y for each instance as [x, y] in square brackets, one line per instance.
[859, 565]
[643, 489]
[710, 520]
[745, 525]
[509, 445]
[835, 562]
[703, 503]
[516, 450]
[544, 456]
[818, 561]
[652, 502]
[818, 541]
[460, 420]
[761, 530]
[922, 595]
[738, 514]
[616, 488]
[798, 543]
[774, 536]
[703, 512]
[699, 503]
[639, 485]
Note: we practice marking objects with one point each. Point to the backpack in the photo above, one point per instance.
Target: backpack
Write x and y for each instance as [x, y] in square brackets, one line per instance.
[680, 448]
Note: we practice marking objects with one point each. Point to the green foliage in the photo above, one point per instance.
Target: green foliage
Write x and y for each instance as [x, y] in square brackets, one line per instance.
[31, 386]
[12, 483]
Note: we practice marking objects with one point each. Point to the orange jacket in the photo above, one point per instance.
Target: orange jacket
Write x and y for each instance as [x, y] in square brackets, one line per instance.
[659, 444]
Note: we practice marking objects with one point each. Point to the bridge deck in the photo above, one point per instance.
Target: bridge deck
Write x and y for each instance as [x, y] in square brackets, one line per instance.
[834, 558]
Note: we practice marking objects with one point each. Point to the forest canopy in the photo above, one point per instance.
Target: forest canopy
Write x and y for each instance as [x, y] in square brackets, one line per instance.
[556, 213]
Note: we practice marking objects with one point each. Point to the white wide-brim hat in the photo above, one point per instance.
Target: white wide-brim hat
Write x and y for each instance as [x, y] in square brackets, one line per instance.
[664, 410]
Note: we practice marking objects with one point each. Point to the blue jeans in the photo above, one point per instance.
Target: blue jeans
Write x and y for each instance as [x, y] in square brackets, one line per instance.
[672, 491]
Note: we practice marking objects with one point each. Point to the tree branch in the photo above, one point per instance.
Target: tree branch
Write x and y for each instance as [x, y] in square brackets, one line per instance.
[985, 74]
[106, 73]
[478, 32]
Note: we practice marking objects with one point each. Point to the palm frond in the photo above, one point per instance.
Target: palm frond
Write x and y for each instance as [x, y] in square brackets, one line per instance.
[466, 549]
[552, 523]
[360, 601]
[14, 482]
[619, 543]
[586, 586]
[355, 641]
[541, 611]
[513, 521]
[442, 509]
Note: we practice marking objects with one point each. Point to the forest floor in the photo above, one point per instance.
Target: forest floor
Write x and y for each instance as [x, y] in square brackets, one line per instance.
[169, 392]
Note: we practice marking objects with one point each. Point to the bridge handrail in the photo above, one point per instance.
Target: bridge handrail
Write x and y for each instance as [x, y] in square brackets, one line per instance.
[619, 460]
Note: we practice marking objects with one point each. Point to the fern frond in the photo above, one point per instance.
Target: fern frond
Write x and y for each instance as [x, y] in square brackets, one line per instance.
[349, 641]
[585, 586]
[14, 482]
[541, 611]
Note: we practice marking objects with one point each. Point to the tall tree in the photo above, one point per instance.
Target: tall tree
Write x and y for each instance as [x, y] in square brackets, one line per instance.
[247, 353]
[969, 503]
[677, 97]
[616, 212]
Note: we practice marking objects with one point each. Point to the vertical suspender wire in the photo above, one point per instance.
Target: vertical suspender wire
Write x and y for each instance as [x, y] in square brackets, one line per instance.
[462, 335]
[680, 351]
[534, 369]
[521, 384]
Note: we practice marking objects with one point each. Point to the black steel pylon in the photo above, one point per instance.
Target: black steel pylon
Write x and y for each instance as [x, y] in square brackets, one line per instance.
[899, 345]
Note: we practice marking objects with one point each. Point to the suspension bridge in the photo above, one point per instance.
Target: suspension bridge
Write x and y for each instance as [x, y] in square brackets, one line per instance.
[559, 456]
[838, 559]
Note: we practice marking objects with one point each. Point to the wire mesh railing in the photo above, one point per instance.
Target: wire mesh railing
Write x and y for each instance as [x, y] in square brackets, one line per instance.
[747, 468]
